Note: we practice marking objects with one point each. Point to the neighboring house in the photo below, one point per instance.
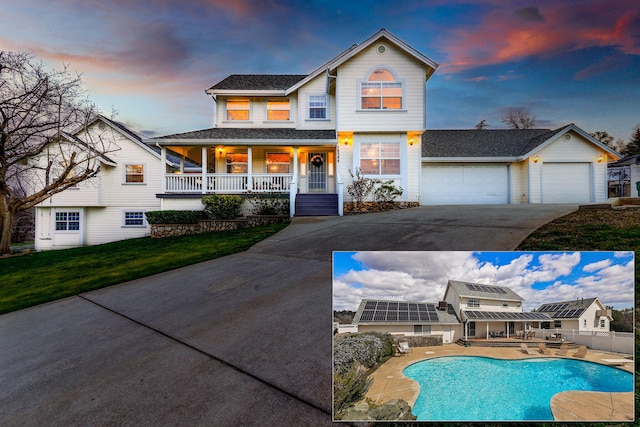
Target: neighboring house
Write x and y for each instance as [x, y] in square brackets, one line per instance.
[408, 318]
[110, 206]
[366, 109]
[487, 310]
[582, 314]
[624, 177]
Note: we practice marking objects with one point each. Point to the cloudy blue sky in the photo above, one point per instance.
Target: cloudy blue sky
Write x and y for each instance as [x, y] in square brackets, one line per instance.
[538, 277]
[563, 61]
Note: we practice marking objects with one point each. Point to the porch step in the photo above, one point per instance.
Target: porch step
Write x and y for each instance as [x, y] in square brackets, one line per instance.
[320, 204]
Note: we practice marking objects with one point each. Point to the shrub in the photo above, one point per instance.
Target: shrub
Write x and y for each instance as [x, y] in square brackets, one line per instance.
[174, 217]
[270, 204]
[349, 387]
[223, 206]
[386, 191]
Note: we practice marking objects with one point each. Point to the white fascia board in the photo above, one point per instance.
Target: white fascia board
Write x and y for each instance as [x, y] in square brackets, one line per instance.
[505, 160]
[580, 132]
[186, 142]
[253, 93]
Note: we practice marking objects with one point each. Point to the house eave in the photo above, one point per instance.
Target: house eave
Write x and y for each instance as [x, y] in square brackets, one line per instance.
[505, 160]
[244, 92]
[223, 141]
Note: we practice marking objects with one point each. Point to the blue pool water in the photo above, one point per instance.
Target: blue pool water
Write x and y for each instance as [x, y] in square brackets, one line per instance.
[479, 388]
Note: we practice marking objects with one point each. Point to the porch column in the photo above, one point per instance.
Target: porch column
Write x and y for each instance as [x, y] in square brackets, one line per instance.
[293, 186]
[466, 331]
[163, 168]
[205, 163]
[249, 169]
[487, 329]
[182, 164]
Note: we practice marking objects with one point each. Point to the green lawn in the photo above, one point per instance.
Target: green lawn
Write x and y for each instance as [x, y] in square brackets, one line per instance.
[47, 276]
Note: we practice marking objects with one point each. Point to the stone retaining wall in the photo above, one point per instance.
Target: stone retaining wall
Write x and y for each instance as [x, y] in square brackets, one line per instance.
[210, 225]
[350, 208]
[422, 340]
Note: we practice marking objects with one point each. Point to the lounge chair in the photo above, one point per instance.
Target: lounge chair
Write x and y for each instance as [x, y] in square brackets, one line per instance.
[525, 349]
[542, 348]
[400, 351]
[581, 353]
[563, 350]
[404, 345]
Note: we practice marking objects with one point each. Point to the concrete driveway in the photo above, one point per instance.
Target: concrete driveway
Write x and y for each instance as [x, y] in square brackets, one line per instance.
[241, 340]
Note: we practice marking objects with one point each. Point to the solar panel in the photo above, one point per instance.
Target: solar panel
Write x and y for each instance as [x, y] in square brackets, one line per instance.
[431, 307]
[367, 316]
[370, 305]
[403, 306]
[393, 306]
[392, 316]
[403, 315]
[380, 316]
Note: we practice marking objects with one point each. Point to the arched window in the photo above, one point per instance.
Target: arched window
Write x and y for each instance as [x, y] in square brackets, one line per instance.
[381, 91]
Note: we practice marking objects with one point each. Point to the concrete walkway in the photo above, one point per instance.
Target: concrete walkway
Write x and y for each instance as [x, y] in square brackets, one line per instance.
[240, 340]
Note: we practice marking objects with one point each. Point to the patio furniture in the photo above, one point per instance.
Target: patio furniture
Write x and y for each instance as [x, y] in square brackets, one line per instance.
[542, 348]
[525, 349]
[581, 353]
[400, 351]
[563, 350]
[404, 347]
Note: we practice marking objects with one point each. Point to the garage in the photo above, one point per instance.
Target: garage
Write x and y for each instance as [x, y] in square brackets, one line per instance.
[566, 183]
[465, 184]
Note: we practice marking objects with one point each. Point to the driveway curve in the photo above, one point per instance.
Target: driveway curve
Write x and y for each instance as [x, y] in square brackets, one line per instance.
[240, 340]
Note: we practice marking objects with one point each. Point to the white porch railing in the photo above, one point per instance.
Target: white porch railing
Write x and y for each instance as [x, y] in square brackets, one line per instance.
[228, 183]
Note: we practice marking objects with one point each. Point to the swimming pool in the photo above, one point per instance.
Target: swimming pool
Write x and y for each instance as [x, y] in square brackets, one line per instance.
[480, 388]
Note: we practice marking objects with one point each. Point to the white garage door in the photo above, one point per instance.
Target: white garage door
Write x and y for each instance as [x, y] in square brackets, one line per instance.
[468, 184]
[566, 182]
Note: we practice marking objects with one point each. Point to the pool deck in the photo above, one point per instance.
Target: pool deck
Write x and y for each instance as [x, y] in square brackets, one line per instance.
[390, 383]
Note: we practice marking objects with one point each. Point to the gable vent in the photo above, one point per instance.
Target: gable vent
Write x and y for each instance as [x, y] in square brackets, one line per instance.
[381, 49]
[567, 137]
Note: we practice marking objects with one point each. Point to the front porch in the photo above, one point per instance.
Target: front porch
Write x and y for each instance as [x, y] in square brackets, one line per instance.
[225, 183]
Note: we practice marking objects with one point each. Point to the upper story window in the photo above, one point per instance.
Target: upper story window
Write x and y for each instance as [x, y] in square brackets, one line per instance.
[238, 108]
[381, 91]
[380, 158]
[317, 107]
[557, 323]
[473, 303]
[134, 174]
[278, 162]
[278, 109]
[237, 163]
[602, 323]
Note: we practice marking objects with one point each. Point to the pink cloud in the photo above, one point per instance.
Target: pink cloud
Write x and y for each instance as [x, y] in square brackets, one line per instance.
[503, 35]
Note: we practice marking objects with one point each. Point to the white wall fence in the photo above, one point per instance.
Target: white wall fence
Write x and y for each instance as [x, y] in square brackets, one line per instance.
[344, 328]
[618, 342]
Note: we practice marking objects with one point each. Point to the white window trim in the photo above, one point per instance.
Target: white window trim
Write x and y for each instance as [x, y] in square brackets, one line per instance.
[289, 120]
[69, 210]
[266, 164]
[326, 107]
[402, 109]
[358, 158]
[144, 173]
[124, 218]
[473, 303]
[226, 111]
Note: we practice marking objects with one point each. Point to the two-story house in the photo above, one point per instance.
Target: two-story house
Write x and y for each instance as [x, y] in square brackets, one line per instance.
[366, 109]
[112, 205]
[487, 311]
[581, 314]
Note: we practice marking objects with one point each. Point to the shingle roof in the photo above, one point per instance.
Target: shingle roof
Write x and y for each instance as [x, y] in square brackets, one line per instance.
[258, 82]
[390, 312]
[479, 290]
[566, 309]
[241, 134]
[482, 143]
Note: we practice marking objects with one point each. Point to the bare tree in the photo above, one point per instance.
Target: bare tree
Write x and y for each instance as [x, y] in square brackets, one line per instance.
[519, 119]
[40, 113]
[608, 140]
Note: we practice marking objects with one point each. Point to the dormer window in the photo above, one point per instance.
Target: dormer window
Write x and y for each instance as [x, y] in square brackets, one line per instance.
[381, 91]
[278, 109]
[238, 108]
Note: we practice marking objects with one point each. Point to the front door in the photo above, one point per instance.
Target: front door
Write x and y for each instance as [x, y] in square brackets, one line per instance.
[512, 328]
[317, 167]
[471, 329]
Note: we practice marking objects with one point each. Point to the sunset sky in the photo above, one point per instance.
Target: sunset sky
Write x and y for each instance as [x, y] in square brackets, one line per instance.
[151, 60]
[538, 277]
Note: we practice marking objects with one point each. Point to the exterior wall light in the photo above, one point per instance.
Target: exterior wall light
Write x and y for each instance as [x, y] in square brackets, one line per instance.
[600, 159]
[536, 158]
[411, 141]
[346, 140]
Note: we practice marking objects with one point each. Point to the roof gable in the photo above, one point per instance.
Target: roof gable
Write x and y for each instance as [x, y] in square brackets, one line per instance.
[479, 290]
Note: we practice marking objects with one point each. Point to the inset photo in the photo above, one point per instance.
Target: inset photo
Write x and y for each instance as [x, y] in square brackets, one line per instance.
[483, 336]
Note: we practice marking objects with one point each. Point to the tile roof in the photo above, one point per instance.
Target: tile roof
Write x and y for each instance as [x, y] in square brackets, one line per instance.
[483, 143]
[241, 134]
[258, 82]
[387, 315]
[475, 290]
